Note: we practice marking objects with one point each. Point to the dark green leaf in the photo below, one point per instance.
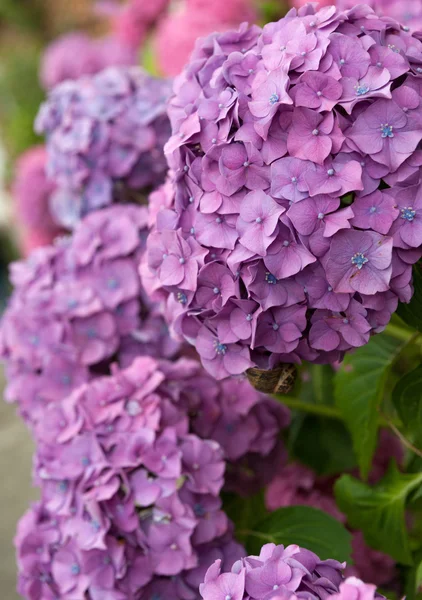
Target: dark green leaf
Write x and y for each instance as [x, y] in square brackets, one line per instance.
[359, 391]
[308, 527]
[407, 398]
[324, 445]
[379, 511]
[245, 512]
[412, 313]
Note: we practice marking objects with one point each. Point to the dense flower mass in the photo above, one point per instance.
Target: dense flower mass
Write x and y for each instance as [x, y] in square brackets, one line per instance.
[32, 193]
[77, 307]
[278, 573]
[105, 138]
[292, 218]
[130, 498]
[93, 55]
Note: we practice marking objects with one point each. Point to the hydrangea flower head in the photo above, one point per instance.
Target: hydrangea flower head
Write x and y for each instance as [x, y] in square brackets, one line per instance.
[295, 183]
[105, 136]
[130, 497]
[77, 307]
[278, 572]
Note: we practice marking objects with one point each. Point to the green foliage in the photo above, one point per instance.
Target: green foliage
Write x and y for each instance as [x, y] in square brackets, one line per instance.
[412, 313]
[324, 445]
[21, 97]
[360, 387]
[379, 511]
[407, 398]
[305, 526]
[245, 512]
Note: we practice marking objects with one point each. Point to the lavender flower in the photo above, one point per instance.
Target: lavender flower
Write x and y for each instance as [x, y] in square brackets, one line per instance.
[105, 137]
[295, 181]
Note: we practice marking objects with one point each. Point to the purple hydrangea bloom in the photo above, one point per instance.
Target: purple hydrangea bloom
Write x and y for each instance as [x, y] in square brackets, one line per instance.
[105, 137]
[78, 307]
[277, 573]
[130, 497]
[295, 182]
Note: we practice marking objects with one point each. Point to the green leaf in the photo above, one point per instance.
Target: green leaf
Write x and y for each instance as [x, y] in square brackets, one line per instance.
[407, 398]
[308, 527]
[379, 510]
[245, 512]
[359, 391]
[331, 450]
[412, 313]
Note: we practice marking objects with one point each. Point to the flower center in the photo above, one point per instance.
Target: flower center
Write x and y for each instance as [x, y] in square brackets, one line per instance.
[408, 213]
[386, 130]
[330, 172]
[220, 348]
[216, 290]
[361, 89]
[249, 317]
[294, 180]
[321, 216]
[75, 569]
[182, 298]
[373, 209]
[270, 278]
[359, 260]
[276, 327]
[315, 132]
[258, 220]
[274, 98]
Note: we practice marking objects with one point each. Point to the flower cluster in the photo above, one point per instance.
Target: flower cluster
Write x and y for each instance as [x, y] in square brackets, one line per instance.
[178, 31]
[58, 62]
[77, 307]
[31, 193]
[130, 499]
[294, 213]
[277, 573]
[105, 138]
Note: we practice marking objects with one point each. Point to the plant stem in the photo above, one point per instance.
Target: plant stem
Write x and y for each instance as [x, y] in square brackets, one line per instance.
[402, 438]
[322, 410]
[315, 409]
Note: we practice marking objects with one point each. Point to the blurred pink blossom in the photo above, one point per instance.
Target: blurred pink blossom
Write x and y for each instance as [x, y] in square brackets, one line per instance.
[177, 32]
[31, 194]
[75, 54]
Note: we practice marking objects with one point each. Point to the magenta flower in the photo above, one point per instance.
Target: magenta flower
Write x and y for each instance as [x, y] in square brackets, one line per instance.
[407, 228]
[221, 360]
[317, 91]
[359, 261]
[313, 136]
[386, 133]
[320, 211]
[257, 222]
[376, 211]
